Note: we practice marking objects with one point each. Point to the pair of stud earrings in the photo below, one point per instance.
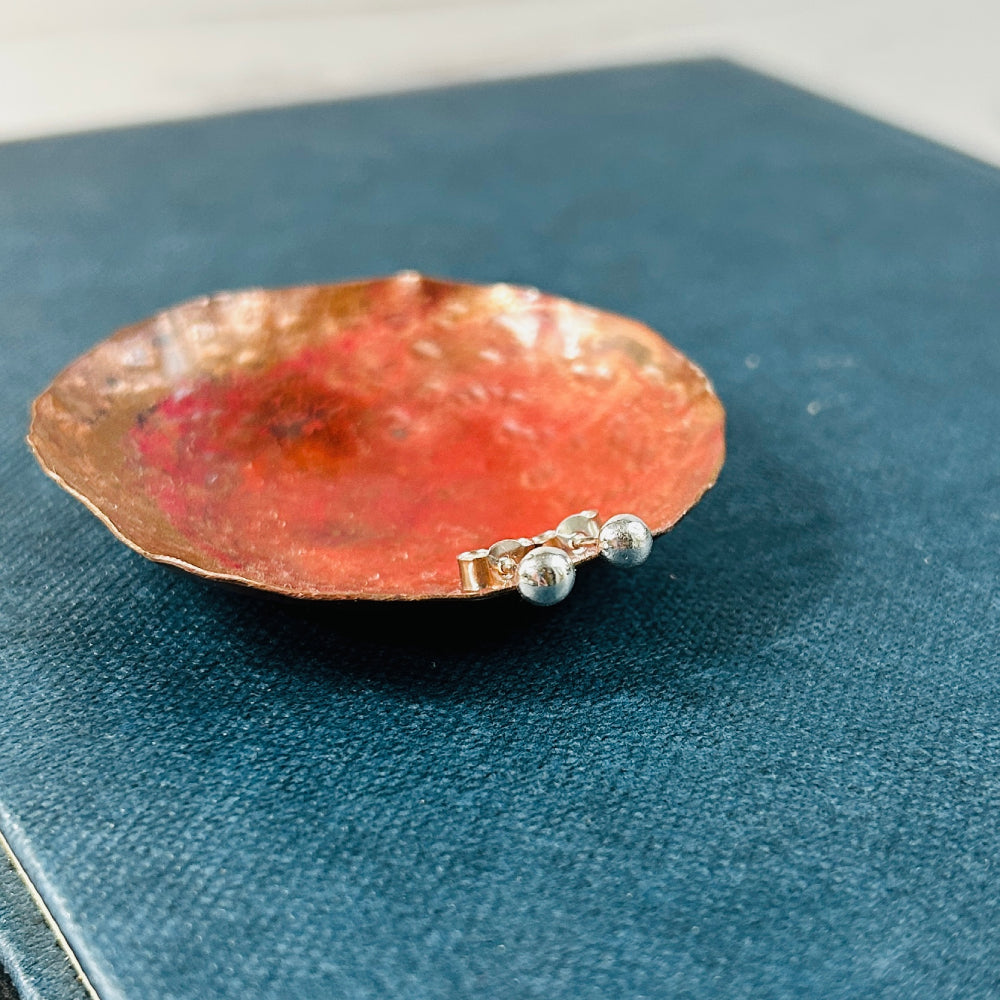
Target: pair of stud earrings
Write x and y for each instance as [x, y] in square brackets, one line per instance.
[543, 568]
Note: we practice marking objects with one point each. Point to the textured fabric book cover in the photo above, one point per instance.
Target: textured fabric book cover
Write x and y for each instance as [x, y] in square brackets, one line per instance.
[766, 764]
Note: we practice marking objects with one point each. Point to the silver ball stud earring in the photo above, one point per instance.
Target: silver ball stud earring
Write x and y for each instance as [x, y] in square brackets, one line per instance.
[545, 575]
[543, 567]
[625, 540]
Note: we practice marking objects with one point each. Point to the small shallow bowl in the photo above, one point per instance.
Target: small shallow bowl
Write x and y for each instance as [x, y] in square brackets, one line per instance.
[350, 440]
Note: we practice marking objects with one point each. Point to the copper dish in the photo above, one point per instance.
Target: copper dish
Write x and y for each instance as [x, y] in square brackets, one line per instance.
[349, 440]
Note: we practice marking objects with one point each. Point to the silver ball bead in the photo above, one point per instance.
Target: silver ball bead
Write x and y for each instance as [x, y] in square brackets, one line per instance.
[625, 540]
[545, 575]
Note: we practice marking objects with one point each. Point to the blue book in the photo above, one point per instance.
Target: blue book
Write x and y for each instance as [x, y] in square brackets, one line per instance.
[767, 764]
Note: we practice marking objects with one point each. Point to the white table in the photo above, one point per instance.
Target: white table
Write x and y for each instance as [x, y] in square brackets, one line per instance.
[930, 66]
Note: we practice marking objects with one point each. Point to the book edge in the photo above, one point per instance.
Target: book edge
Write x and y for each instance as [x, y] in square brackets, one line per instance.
[36, 963]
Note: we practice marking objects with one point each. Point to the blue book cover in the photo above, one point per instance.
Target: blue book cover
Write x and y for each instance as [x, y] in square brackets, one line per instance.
[767, 764]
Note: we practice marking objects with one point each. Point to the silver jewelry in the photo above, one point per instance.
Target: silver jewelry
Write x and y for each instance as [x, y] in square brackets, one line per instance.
[543, 568]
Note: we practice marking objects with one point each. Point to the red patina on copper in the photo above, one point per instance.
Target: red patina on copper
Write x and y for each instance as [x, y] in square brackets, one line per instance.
[352, 440]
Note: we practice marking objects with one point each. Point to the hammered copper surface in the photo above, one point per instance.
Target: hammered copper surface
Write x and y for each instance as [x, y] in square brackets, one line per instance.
[348, 441]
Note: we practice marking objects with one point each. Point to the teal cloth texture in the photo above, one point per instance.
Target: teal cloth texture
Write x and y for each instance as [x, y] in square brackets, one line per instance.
[765, 764]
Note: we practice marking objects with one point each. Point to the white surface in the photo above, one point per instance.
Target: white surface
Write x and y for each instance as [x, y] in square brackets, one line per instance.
[65, 65]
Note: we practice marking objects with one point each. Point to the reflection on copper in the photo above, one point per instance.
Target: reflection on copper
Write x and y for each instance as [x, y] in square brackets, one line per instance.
[349, 440]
